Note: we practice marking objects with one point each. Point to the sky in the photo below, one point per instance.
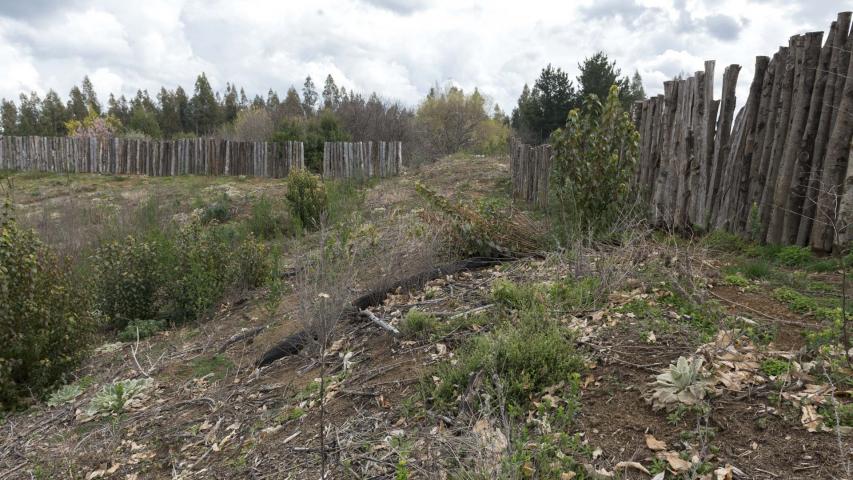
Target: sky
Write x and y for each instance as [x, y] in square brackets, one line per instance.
[397, 48]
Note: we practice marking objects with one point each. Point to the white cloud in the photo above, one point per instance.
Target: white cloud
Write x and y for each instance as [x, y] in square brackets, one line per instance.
[398, 48]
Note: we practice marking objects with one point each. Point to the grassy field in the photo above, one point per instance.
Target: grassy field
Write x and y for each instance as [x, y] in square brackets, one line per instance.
[545, 367]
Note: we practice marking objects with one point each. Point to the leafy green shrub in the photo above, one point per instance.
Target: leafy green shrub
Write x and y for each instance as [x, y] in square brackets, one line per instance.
[594, 156]
[576, 294]
[723, 241]
[252, 263]
[417, 324]
[139, 329]
[824, 266]
[218, 211]
[44, 317]
[198, 273]
[527, 357]
[306, 197]
[794, 256]
[264, 222]
[736, 280]
[844, 412]
[518, 297]
[127, 275]
[64, 394]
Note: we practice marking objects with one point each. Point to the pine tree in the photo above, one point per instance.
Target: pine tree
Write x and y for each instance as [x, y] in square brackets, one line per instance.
[53, 115]
[118, 109]
[309, 96]
[231, 106]
[169, 117]
[90, 97]
[598, 74]
[204, 107]
[76, 105]
[8, 117]
[182, 104]
[258, 102]
[544, 109]
[273, 102]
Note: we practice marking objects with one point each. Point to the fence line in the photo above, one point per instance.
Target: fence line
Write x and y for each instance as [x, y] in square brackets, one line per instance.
[530, 168]
[361, 160]
[203, 156]
[774, 170]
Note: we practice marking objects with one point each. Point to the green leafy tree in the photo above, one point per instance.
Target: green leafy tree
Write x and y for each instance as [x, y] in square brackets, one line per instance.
[293, 105]
[29, 115]
[182, 104]
[309, 95]
[205, 109]
[231, 105]
[594, 155]
[8, 117]
[119, 108]
[77, 104]
[273, 102]
[448, 119]
[543, 109]
[598, 74]
[89, 96]
[144, 120]
[331, 94]
[169, 114]
[54, 115]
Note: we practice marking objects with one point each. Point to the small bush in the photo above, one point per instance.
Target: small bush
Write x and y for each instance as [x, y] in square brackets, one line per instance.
[218, 211]
[417, 324]
[139, 329]
[264, 222]
[518, 297]
[723, 241]
[736, 280]
[128, 275]
[755, 269]
[199, 272]
[576, 294]
[44, 317]
[306, 197]
[527, 357]
[113, 398]
[794, 256]
[824, 266]
[253, 264]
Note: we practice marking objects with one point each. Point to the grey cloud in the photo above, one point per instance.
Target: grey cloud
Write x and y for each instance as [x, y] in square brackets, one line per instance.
[722, 26]
[33, 9]
[605, 9]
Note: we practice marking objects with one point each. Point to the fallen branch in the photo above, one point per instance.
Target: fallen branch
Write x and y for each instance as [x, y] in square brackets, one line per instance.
[759, 312]
[378, 321]
[239, 337]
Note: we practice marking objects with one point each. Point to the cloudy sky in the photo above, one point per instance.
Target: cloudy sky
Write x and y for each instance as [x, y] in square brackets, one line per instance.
[398, 48]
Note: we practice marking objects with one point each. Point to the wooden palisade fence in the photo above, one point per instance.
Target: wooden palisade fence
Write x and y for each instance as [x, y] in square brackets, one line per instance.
[362, 159]
[529, 169]
[202, 156]
[776, 170]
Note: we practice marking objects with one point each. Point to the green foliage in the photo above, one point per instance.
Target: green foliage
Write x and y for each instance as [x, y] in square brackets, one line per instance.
[794, 256]
[594, 156]
[723, 241]
[736, 280]
[417, 324]
[217, 366]
[843, 411]
[306, 198]
[796, 301]
[113, 398]
[754, 269]
[140, 329]
[528, 357]
[127, 276]
[64, 394]
[218, 211]
[313, 132]
[543, 109]
[598, 75]
[448, 120]
[253, 265]
[44, 317]
[773, 367]
[198, 272]
[265, 221]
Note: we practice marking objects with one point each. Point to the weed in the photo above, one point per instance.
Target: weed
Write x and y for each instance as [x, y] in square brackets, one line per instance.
[217, 366]
[723, 241]
[527, 357]
[139, 329]
[113, 398]
[773, 367]
[754, 269]
[417, 324]
[844, 411]
[796, 301]
[794, 256]
[264, 221]
[64, 394]
[218, 211]
[306, 197]
[682, 383]
[736, 280]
